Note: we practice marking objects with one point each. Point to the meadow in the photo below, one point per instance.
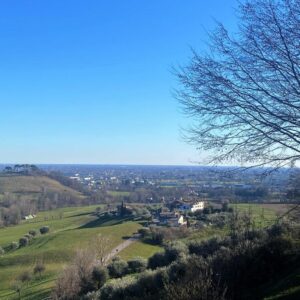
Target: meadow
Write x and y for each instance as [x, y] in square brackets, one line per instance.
[263, 214]
[70, 228]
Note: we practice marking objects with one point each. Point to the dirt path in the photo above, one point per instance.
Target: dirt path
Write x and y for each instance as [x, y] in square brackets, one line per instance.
[121, 246]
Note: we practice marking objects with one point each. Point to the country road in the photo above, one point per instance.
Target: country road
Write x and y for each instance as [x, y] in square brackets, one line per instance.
[121, 246]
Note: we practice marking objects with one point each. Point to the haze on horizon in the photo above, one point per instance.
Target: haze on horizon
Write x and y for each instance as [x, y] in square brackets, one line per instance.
[91, 82]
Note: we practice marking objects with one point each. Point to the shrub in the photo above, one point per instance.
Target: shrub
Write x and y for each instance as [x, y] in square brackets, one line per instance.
[39, 268]
[95, 295]
[278, 229]
[14, 245]
[152, 280]
[175, 250]
[144, 232]
[44, 229]
[23, 241]
[208, 247]
[157, 235]
[32, 232]
[25, 276]
[117, 268]
[137, 265]
[100, 276]
[115, 289]
[197, 284]
[28, 236]
[157, 260]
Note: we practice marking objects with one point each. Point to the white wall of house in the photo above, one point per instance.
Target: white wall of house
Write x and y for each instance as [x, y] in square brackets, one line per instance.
[197, 206]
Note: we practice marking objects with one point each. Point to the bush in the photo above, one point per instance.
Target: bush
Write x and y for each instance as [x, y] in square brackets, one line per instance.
[144, 232]
[1, 251]
[157, 235]
[100, 276]
[23, 241]
[115, 289]
[149, 283]
[25, 276]
[157, 260]
[278, 230]
[14, 245]
[117, 268]
[209, 247]
[175, 250]
[32, 232]
[137, 265]
[44, 229]
[39, 268]
[28, 236]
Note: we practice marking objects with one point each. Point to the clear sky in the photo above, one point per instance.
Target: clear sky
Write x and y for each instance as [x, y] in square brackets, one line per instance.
[90, 81]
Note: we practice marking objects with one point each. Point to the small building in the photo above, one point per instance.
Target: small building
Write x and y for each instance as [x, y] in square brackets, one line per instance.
[29, 217]
[197, 206]
[171, 219]
[177, 221]
[191, 206]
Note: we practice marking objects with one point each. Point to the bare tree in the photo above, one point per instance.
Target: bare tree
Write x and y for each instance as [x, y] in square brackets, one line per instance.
[244, 95]
[77, 277]
[102, 245]
[68, 284]
[39, 268]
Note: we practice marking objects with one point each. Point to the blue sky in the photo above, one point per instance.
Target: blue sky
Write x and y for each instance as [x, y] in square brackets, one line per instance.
[90, 81]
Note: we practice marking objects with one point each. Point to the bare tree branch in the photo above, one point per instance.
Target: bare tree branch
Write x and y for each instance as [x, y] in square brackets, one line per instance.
[244, 96]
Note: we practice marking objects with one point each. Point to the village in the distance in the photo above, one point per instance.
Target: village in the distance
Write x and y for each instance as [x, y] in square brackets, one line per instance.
[174, 196]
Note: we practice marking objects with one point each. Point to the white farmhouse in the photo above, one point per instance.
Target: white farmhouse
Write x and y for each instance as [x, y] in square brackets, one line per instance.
[197, 206]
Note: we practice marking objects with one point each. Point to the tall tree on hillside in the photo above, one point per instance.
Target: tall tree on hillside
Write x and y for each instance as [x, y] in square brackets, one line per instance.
[244, 95]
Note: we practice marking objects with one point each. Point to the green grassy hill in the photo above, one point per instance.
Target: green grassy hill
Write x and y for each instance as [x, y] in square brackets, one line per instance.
[70, 228]
[30, 187]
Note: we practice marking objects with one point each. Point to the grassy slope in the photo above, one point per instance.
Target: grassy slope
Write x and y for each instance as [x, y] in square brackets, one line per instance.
[75, 229]
[139, 249]
[29, 187]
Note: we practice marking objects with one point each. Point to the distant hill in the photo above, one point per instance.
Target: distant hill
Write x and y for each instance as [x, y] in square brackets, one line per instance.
[30, 187]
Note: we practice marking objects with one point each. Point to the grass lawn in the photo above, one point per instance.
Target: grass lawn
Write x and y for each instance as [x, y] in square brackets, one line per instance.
[70, 228]
[139, 249]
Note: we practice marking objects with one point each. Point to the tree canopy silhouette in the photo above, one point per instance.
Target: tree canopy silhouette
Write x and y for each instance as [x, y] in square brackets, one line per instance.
[244, 93]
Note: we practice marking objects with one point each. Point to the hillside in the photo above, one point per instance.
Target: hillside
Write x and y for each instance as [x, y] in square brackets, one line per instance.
[70, 228]
[30, 187]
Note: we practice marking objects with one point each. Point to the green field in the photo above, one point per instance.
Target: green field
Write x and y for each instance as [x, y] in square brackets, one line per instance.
[139, 249]
[70, 228]
[263, 214]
